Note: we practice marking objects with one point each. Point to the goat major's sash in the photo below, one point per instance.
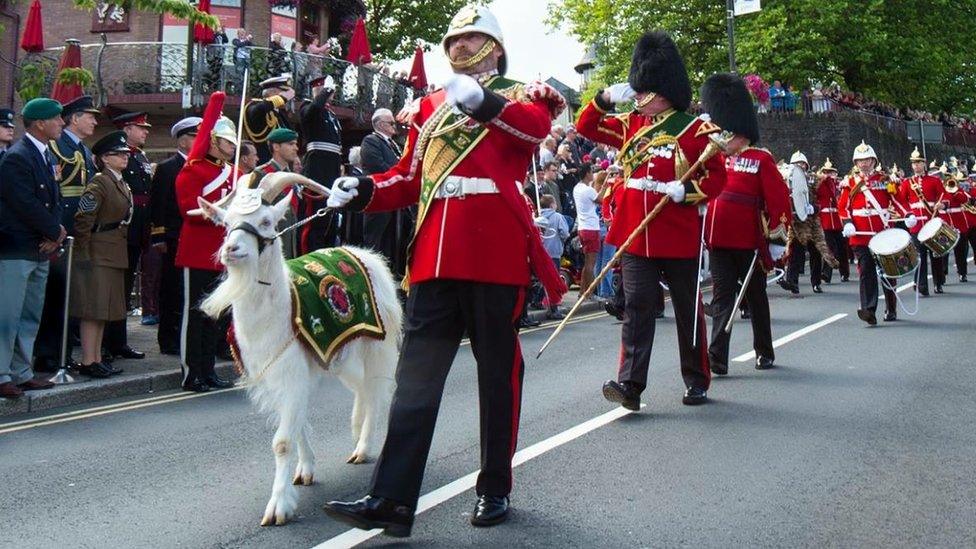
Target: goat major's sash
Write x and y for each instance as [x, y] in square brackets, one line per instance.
[332, 300]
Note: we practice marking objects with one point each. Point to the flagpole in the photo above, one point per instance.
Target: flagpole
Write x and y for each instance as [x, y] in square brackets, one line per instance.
[730, 23]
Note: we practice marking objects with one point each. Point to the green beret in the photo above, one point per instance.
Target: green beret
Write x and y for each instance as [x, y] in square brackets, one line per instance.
[282, 135]
[41, 108]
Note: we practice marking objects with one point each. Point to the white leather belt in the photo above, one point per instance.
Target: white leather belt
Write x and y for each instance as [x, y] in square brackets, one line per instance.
[828, 210]
[323, 146]
[459, 187]
[645, 184]
[954, 210]
[866, 212]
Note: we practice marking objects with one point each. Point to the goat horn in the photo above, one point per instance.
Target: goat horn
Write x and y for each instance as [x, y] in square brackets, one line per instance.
[222, 203]
[273, 184]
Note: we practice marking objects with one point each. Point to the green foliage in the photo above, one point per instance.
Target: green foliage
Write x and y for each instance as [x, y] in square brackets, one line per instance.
[31, 79]
[395, 26]
[177, 8]
[75, 75]
[906, 52]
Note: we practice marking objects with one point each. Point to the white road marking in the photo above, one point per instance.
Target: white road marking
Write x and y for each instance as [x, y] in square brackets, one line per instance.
[354, 537]
[795, 335]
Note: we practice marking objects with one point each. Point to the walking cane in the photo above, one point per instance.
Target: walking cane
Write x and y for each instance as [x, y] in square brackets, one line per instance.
[742, 291]
[240, 124]
[63, 377]
[713, 148]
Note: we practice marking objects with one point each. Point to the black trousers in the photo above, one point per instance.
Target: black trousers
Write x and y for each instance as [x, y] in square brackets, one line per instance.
[838, 246]
[389, 233]
[938, 269]
[642, 292]
[729, 267]
[200, 333]
[170, 300]
[47, 346]
[439, 312]
[116, 335]
[868, 272]
[967, 239]
[797, 256]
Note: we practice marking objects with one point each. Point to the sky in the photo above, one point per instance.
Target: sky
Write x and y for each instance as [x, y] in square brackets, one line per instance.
[533, 49]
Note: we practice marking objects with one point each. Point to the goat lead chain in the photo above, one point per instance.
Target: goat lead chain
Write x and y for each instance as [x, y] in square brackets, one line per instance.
[274, 359]
[321, 212]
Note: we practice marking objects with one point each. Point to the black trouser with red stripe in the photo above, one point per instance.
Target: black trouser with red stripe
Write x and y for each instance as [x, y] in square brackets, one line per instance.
[967, 238]
[728, 268]
[867, 269]
[642, 291]
[838, 246]
[439, 313]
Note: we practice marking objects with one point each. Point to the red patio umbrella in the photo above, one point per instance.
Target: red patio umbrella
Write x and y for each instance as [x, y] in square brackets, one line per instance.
[201, 33]
[70, 59]
[33, 39]
[418, 76]
[359, 53]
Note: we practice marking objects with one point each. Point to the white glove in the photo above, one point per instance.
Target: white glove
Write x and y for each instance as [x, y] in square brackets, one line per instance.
[461, 89]
[809, 209]
[620, 93]
[541, 222]
[676, 190]
[776, 251]
[911, 221]
[343, 191]
[848, 230]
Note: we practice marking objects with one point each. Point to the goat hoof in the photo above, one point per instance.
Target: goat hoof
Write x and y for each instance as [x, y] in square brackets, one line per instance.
[302, 480]
[358, 459]
[267, 520]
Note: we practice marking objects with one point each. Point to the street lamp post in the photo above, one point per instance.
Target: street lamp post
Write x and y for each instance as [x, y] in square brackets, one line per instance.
[730, 24]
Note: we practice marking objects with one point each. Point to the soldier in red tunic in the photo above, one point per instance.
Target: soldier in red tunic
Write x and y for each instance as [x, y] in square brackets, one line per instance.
[468, 269]
[865, 209]
[658, 143]
[749, 222]
[922, 193]
[958, 211]
[828, 190]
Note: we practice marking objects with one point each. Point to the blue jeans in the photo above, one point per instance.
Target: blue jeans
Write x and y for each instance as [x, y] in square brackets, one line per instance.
[606, 252]
[21, 304]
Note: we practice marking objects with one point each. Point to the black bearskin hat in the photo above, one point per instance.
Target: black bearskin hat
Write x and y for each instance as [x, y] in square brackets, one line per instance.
[657, 67]
[725, 97]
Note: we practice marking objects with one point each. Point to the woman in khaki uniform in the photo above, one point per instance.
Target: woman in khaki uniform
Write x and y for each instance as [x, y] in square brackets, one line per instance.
[100, 256]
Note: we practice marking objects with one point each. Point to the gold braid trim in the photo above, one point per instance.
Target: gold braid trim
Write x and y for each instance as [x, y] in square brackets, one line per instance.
[270, 124]
[476, 58]
[77, 160]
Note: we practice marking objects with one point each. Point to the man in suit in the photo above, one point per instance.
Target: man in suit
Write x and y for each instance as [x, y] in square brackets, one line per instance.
[76, 167]
[166, 221]
[30, 231]
[322, 133]
[384, 232]
[6, 130]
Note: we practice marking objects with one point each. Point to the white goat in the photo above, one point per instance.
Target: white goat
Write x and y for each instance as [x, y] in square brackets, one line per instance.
[284, 372]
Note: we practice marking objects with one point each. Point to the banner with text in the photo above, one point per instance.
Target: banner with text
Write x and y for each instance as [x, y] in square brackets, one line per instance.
[743, 7]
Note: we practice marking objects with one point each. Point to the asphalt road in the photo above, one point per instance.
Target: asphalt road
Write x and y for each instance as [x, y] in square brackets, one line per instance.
[863, 437]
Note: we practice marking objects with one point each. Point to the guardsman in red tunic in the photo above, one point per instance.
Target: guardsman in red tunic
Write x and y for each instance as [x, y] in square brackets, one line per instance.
[474, 245]
[865, 209]
[658, 142]
[749, 222]
[968, 188]
[208, 174]
[923, 194]
[828, 191]
[959, 212]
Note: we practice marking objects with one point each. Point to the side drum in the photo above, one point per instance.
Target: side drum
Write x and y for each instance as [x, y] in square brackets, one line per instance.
[894, 252]
[938, 236]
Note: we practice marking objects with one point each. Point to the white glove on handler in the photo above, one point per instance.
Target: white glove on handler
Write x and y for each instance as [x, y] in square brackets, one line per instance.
[676, 190]
[461, 89]
[911, 221]
[848, 230]
[809, 209]
[343, 191]
[541, 222]
[776, 251]
[620, 93]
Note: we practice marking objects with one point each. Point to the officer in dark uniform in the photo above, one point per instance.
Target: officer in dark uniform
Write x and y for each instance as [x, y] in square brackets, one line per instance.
[322, 163]
[138, 175]
[261, 116]
[166, 221]
[76, 166]
[6, 130]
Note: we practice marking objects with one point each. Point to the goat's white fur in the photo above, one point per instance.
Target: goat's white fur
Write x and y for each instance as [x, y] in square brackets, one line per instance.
[262, 324]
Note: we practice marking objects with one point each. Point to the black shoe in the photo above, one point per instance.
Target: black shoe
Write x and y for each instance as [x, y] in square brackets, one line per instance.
[196, 385]
[371, 512]
[764, 363]
[845, 279]
[114, 371]
[938, 289]
[718, 368]
[694, 396]
[924, 292]
[827, 278]
[708, 309]
[96, 370]
[555, 314]
[536, 306]
[962, 278]
[867, 316]
[890, 316]
[175, 351]
[527, 322]
[817, 290]
[789, 287]
[129, 353]
[216, 382]
[490, 510]
[613, 310]
[745, 314]
[624, 394]
[659, 315]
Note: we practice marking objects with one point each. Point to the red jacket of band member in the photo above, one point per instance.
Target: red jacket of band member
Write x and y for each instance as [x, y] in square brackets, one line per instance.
[676, 231]
[827, 193]
[732, 222]
[953, 212]
[202, 176]
[475, 237]
[877, 185]
[970, 214]
[923, 200]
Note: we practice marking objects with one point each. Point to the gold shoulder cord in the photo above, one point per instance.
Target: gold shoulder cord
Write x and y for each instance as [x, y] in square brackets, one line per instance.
[77, 160]
[270, 123]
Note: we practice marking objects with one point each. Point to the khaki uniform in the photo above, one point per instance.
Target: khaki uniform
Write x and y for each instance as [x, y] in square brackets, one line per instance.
[100, 255]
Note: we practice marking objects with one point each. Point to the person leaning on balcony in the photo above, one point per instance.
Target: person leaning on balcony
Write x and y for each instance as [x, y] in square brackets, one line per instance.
[242, 51]
[101, 255]
[263, 115]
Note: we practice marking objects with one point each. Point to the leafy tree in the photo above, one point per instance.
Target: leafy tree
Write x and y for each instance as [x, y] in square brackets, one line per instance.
[395, 26]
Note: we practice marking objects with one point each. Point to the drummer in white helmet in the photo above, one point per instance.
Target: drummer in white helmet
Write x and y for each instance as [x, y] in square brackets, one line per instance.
[921, 193]
[865, 209]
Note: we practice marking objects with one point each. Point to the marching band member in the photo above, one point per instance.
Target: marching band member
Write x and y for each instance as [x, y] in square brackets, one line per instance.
[961, 214]
[474, 246]
[747, 223]
[923, 193]
[658, 142]
[828, 190]
[865, 209]
[809, 235]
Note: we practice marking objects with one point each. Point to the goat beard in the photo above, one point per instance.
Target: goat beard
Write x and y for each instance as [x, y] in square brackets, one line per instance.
[237, 282]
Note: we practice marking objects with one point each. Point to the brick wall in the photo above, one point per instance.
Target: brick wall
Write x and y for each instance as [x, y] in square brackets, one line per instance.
[62, 21]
